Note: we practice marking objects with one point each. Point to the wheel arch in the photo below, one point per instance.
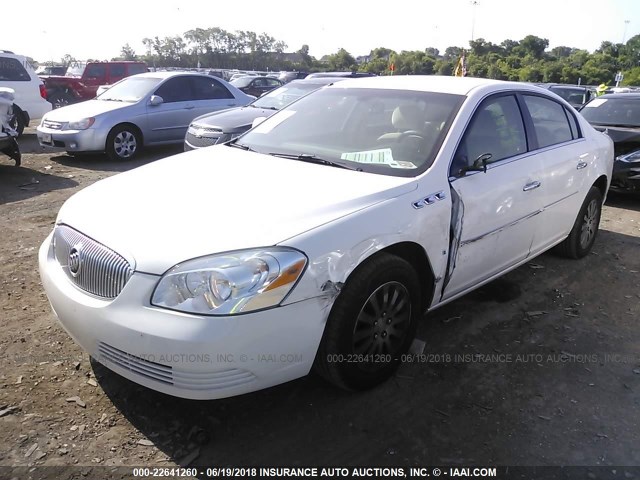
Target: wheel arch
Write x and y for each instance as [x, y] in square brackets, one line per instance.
[414, 254]
[601, 184]
[126, 124]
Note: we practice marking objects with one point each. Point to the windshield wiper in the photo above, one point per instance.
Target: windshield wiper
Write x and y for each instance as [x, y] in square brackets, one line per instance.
[235, 144]
[306, 157]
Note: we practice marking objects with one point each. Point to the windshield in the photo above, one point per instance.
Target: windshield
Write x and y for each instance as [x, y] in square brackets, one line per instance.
[613, 111]
[391, 132]
[131, 89]
[283, 96]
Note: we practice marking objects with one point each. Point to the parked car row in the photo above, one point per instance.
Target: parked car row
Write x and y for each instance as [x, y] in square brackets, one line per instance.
[321, 236]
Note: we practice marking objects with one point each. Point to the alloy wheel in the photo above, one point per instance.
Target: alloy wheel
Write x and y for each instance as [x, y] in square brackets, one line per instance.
[125, 144]
[383, 321]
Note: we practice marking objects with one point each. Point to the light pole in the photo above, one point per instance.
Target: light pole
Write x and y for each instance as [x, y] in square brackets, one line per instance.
[474, 4]
[624, 34]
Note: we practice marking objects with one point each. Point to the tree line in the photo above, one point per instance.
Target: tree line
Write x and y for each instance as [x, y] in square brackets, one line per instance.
[527, 60]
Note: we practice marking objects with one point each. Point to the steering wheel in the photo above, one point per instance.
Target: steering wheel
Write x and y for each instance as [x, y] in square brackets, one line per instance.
[409, 134]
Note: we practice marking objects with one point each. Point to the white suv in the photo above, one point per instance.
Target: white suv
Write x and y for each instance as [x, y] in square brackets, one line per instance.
[30, 98]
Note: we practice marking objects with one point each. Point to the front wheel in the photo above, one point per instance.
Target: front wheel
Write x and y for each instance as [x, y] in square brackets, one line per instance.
[583, 234]
[17, 121]
[371, 325]
[123, 143]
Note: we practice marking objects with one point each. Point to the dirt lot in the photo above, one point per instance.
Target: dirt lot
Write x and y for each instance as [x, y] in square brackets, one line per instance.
[539, 368]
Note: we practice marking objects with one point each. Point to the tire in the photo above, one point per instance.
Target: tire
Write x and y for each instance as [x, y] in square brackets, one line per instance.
[123, 143]
[60, 99]
[17, 120]
[371, 325]
[585, 229]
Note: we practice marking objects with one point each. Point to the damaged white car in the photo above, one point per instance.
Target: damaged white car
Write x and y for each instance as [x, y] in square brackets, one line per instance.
[320, 237]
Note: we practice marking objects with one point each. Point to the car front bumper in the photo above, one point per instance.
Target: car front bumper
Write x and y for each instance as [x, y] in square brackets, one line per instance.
[89, 140]
[180, 354]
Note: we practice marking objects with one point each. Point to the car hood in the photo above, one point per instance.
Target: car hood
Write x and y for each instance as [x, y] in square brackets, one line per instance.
[233, 119]
[90, 108]
[218, 199]
[625, 139]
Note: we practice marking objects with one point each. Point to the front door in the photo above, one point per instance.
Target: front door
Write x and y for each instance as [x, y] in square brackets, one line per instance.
[168, 122]
[496, 211]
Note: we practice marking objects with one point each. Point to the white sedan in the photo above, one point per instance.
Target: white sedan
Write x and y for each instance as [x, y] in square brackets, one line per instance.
[321, 237]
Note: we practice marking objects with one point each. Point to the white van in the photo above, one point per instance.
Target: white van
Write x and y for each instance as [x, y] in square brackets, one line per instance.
[30, 98]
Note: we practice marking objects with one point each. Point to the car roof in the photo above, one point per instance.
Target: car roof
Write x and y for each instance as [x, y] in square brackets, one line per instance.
[434, 83]
[317, 80]
[170, 74]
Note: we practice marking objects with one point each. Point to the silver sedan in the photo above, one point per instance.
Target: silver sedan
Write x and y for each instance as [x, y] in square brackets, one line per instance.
[145, 109]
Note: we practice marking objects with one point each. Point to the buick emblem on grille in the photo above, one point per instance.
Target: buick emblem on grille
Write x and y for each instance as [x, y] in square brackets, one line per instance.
[75, 260]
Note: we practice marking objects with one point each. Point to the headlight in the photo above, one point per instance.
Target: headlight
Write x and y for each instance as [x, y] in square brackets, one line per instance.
[81, 124]
[230, 283]
[629, 157]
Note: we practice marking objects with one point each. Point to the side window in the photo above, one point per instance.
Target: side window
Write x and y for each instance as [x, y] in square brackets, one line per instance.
[573, 124]
[549, 121]
[96, 71]
[177, 89]
[209, 89]
[117, 70]
[272, 82]
[497, 129]
[11, 70]
[259, 82]
[135, 68]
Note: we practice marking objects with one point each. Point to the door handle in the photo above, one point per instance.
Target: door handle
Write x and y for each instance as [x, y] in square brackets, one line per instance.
[531, 186]
[581, 165]
[189, 107]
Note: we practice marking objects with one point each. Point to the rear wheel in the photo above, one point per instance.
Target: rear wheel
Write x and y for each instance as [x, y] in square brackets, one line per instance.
[123, 143]
[585, 229]
[371, 325]
[60, 99]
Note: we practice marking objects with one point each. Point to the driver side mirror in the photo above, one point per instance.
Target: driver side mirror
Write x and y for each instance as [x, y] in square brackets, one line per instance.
[155, 100]
[479, 164]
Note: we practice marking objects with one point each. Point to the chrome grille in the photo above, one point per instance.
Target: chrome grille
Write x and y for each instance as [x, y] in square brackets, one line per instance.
[52, 125]
[206, 140]
[90, 265]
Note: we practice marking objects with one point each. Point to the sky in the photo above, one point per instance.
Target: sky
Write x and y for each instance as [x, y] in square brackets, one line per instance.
[88, 31]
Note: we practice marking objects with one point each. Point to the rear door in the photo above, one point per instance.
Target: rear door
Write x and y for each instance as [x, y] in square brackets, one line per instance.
[496, 212]
[210, 95]
[564, 153]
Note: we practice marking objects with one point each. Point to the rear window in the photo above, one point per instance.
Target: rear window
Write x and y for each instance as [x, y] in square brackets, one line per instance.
[11, 70]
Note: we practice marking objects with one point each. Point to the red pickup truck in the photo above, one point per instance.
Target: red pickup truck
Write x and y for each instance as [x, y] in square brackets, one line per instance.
[83, 79]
